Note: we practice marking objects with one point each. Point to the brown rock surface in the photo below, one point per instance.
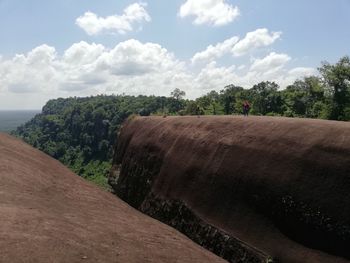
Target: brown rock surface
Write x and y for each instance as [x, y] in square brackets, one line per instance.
[280, 185]
[48, 214]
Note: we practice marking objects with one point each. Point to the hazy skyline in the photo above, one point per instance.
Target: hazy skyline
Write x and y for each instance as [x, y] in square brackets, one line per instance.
[64, 48]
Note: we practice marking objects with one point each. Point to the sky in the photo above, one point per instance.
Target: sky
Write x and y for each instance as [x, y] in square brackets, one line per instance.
[63, 48]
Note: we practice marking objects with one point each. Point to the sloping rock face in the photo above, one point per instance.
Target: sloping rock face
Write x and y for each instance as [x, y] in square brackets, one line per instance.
[49, 214]
[256, 189]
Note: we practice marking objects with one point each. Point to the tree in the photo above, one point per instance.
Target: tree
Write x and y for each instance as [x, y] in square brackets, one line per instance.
[337, 79]
[192, 108]
[178, 94]
[266, 98]
[210, 103]
[228, 98]
[295, 101]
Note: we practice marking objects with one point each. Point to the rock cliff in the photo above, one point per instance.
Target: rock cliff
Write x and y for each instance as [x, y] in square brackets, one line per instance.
[49, 214]
[256, 189]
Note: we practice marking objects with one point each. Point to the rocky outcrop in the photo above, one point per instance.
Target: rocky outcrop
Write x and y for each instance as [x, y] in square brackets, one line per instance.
[255, 189]
[176, 214]
[49, 214]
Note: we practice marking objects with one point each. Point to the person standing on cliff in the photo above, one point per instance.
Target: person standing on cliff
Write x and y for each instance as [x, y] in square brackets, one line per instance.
[246, 108]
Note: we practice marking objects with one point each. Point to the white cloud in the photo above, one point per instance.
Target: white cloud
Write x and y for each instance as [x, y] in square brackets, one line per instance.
[31, 72]
[131, 67]
[270, 64]
[301, 72]
[296, 73]
[135, 58]
[255, 39]
[217, 51]
[211, 12]
[92, 24]
[213, 77]
[83, 53]
[271, 68]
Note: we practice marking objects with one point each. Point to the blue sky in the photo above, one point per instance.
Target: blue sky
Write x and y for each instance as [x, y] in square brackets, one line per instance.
[62, 48]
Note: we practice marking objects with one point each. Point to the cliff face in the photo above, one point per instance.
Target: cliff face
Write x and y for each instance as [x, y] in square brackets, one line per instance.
[259, 188]
[49, 214]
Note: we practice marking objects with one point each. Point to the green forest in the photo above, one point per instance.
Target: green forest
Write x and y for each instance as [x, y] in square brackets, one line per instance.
[81, 132]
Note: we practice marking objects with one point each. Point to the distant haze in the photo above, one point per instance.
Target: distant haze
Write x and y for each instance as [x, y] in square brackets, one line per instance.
[11, 119]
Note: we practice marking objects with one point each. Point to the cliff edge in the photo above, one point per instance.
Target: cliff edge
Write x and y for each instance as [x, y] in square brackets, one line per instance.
[49, 214]
[256, 189]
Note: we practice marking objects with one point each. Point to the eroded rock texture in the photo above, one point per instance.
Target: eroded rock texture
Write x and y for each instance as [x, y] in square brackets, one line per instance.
[49, 214]
[254, 189]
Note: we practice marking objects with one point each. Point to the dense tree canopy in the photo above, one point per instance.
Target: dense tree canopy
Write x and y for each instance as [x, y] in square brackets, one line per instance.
[337, 80]
[81, 132]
